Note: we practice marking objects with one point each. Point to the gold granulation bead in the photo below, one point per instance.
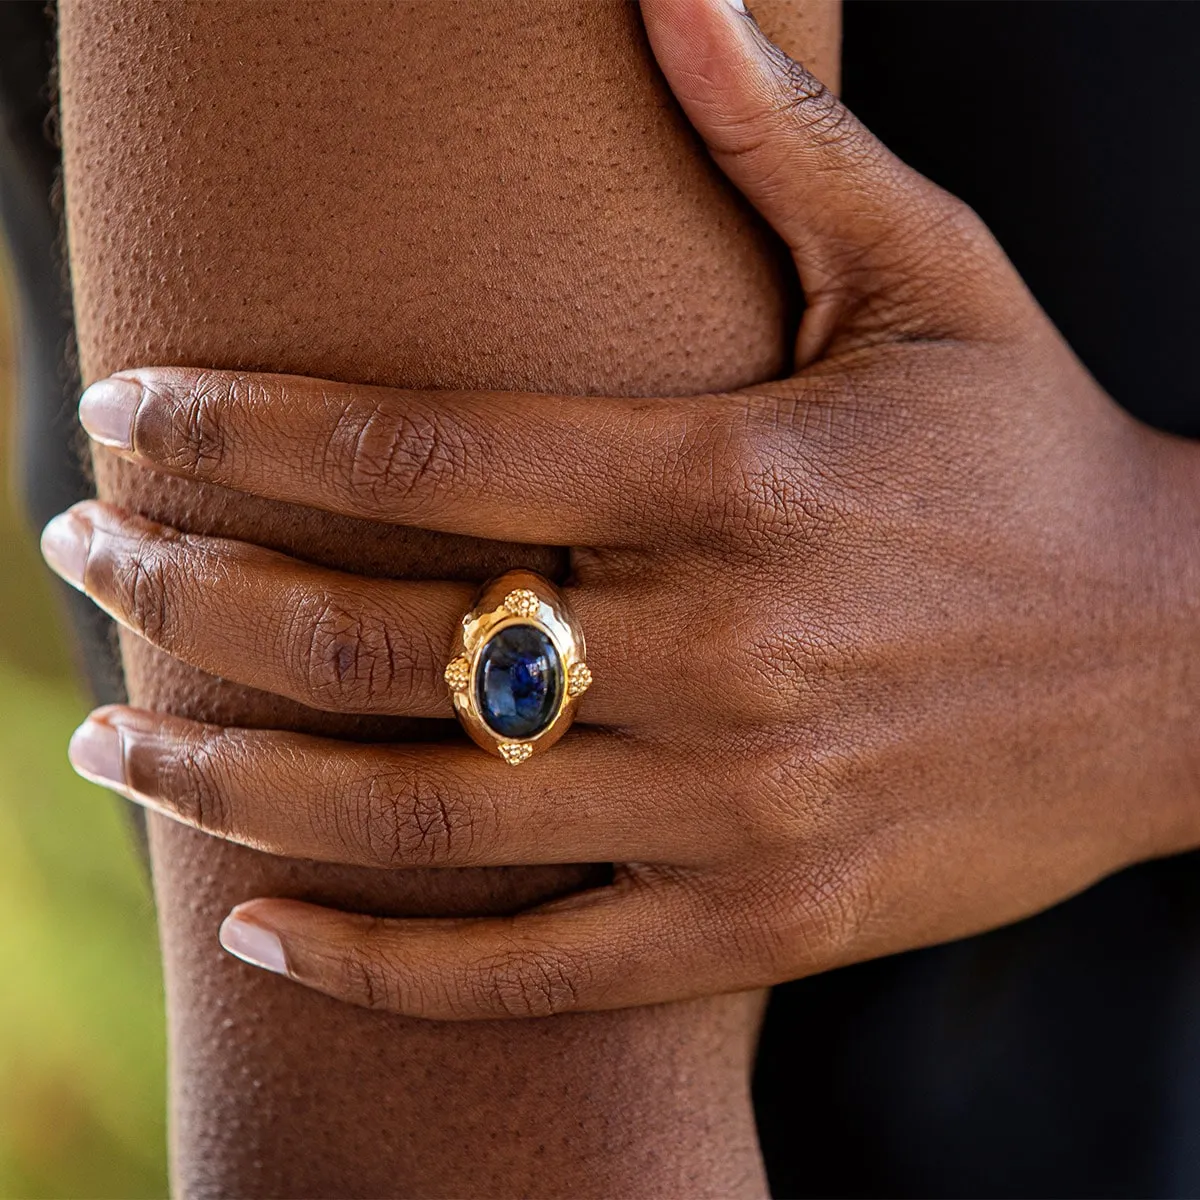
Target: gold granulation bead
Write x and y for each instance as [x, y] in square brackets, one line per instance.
[522, 603]
[579, 679]
[458, 674]
[515, 753]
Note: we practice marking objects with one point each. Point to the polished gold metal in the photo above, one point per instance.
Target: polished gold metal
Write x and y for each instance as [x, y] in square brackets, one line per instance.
[515, 753]
[517, 598]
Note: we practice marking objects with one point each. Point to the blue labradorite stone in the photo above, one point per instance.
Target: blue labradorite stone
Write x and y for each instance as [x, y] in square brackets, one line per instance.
[519, 682]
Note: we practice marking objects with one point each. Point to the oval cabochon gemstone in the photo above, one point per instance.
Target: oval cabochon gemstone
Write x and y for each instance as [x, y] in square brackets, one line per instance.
[519, 681]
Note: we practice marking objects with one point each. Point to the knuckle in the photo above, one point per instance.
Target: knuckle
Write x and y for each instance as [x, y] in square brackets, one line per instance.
[955, 223]
[412, 820]
[196, 440]
[774, 655]
[831, 904]
[847, 901]
[369, 976]
[762, 492]
[800, 100]
[815, 111]
[947, 232]
[527, 982]
[384, 458]
[774, 809]
[769, 795]
[142, 591]
[346, 657]
[742, 643]
[805, 100]
[784, 661]
[951, 278]
[779, 473]
[774, 505]
[190, 778]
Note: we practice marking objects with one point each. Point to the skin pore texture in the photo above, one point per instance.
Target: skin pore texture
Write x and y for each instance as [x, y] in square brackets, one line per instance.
[421, 195]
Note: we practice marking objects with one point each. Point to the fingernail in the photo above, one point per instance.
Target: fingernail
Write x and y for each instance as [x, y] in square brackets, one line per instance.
[65, 547]
[736, 5]
[253, 944]
[106, 411]
[95, 752]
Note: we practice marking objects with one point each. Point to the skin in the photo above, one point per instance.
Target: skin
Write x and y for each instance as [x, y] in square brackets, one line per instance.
[326, 221]
[926, 612]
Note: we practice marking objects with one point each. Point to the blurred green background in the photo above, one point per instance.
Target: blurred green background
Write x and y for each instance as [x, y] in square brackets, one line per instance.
[82, 1107]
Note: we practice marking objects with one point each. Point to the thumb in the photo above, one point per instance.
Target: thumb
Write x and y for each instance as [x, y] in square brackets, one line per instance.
[881, 251]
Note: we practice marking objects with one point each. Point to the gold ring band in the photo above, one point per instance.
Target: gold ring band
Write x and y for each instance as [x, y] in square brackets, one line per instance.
[518, 667]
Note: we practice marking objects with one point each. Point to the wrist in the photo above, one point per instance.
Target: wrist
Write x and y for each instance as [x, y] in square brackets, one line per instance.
[1169, 629]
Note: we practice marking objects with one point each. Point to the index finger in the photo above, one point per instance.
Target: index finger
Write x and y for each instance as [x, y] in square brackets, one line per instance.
[517, 467]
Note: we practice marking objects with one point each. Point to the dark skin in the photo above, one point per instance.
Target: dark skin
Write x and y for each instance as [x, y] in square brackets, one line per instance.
[294, 188]
[929, 555]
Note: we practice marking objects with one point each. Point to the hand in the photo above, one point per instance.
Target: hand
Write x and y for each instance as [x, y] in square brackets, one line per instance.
[887, 653]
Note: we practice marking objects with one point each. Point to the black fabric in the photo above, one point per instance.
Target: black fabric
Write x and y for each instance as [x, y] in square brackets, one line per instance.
[1061, 1056]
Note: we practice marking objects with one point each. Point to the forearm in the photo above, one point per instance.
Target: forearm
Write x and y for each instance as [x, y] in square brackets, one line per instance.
[452, 196]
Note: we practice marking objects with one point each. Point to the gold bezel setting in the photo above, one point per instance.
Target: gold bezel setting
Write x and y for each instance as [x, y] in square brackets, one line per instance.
[517, 598]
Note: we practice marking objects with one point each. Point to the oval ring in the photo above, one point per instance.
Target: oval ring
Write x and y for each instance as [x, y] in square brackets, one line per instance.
[518, 667]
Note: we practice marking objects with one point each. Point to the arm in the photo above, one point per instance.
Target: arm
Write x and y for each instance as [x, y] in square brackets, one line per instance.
[441, 196]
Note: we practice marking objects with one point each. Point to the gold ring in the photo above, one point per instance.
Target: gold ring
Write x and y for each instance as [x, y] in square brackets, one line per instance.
[518, 667]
